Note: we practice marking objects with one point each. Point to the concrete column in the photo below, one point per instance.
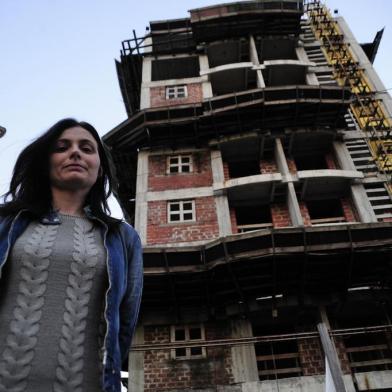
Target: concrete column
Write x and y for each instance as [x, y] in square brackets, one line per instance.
[292, 201]
[146, 79]
[221, 201]
[281, 159]
[244, 363]
[260, 79]
[136, 363]
[358, 194]
[206, 84]
[254, 58]
[362, 204]
[141, 196]
[343, 156]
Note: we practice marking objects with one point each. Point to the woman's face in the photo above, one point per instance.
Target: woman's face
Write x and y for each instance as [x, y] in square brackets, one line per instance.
[74, 161]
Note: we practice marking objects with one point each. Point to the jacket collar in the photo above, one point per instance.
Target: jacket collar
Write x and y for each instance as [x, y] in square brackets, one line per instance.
[53, 218]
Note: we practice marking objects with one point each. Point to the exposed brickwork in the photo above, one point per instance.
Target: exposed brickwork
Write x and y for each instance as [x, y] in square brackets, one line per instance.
[163, 373]
[311, 357]
[342, 355]
[348, 210]
[159, 180]
[233, 220]
[158, 96]
[226, 171]
[280, 215]
[268, 166]
[330, 161]
[291, 165]
[305, 213]
[159, 231]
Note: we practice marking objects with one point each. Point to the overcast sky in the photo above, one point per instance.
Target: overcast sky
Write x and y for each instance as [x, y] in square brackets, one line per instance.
[57, 59]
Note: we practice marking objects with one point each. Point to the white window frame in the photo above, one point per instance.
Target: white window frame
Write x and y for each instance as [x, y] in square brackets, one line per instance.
[181, 163]
[188, 354]
[181, 212]
[176, 92]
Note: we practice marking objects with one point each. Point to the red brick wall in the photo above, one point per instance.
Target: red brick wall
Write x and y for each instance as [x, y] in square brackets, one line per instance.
[311, 357]
[342, 355]
[158, 96]
[159, 180]
[268, 166]
[233, 219]
[162, 373]
[305, 213]
[226, 171]
[348, 210]
[159, 231]
[291, 165]
[280, 215]
[330, 160]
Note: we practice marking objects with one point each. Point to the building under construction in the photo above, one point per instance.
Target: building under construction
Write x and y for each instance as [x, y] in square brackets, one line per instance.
[256, 165]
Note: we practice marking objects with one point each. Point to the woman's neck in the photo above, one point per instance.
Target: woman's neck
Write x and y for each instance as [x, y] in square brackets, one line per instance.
[68, 202]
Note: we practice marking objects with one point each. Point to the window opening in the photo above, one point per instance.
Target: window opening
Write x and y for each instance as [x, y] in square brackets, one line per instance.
[325, 211]
[180, 164]
[181, 211]
[174, 92]
[188, 334]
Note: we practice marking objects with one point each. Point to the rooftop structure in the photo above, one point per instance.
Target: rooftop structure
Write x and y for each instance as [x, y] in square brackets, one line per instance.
[256, 165]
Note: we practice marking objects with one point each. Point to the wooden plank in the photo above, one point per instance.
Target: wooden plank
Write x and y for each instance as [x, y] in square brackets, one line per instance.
[374, 362]
[280, 371]
[367, 348]
[276, 356]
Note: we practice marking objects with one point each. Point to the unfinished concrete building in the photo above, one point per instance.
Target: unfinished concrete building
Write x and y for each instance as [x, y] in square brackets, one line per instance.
[255, 164]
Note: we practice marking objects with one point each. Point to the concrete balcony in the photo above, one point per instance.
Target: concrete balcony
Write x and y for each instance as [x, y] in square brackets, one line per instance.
[256, 187]
[326, 182]
[247, 17]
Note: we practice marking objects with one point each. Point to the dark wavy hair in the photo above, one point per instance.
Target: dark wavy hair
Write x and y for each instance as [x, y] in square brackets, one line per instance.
[30, 183]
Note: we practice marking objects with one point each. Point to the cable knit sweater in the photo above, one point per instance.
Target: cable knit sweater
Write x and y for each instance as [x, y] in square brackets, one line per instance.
[51, 302]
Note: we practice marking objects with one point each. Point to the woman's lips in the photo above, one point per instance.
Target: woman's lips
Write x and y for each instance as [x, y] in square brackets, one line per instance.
[75, 167]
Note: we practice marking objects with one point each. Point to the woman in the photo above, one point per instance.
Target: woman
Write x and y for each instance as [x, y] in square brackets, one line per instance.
[71, 276]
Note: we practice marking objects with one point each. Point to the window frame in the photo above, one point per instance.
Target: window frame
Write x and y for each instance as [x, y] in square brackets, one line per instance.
[176, 92]
[180, 165]
[181, 211]
[187, 339]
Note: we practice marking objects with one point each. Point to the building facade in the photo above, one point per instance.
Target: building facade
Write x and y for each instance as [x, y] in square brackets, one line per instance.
[255, 164]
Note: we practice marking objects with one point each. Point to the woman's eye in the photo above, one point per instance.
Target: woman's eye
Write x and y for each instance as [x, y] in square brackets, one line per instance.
[59, 148]
[87, 149]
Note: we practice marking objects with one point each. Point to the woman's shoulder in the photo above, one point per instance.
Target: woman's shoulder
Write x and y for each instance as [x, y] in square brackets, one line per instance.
[128, 232]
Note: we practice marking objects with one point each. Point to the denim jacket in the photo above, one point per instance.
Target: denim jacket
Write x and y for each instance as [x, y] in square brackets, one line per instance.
[125, 273]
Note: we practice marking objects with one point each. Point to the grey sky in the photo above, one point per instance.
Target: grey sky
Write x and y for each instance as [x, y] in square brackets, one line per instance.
[57, 59]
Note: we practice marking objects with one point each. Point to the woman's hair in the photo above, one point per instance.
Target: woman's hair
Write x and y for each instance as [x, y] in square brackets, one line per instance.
[30, 183]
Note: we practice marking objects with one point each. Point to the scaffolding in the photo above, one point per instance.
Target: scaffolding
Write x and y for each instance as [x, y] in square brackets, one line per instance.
[368, 110]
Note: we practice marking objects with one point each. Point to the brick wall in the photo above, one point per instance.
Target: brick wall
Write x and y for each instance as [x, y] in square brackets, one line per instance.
[159, 231]
[163, 373]
[305, 213]
[280, 215]
[268, 166]
[330, 161]
[233, 219]
[342, 355]
[159, 180]
[226, 172]
[158, 96]
[291, 165]
[348, 210]
[311, 357]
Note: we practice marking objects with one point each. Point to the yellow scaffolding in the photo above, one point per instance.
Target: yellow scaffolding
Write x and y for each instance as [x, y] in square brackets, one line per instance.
[369, 111]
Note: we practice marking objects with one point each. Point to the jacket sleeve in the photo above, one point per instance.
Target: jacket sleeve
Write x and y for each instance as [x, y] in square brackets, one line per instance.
[130, 304]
